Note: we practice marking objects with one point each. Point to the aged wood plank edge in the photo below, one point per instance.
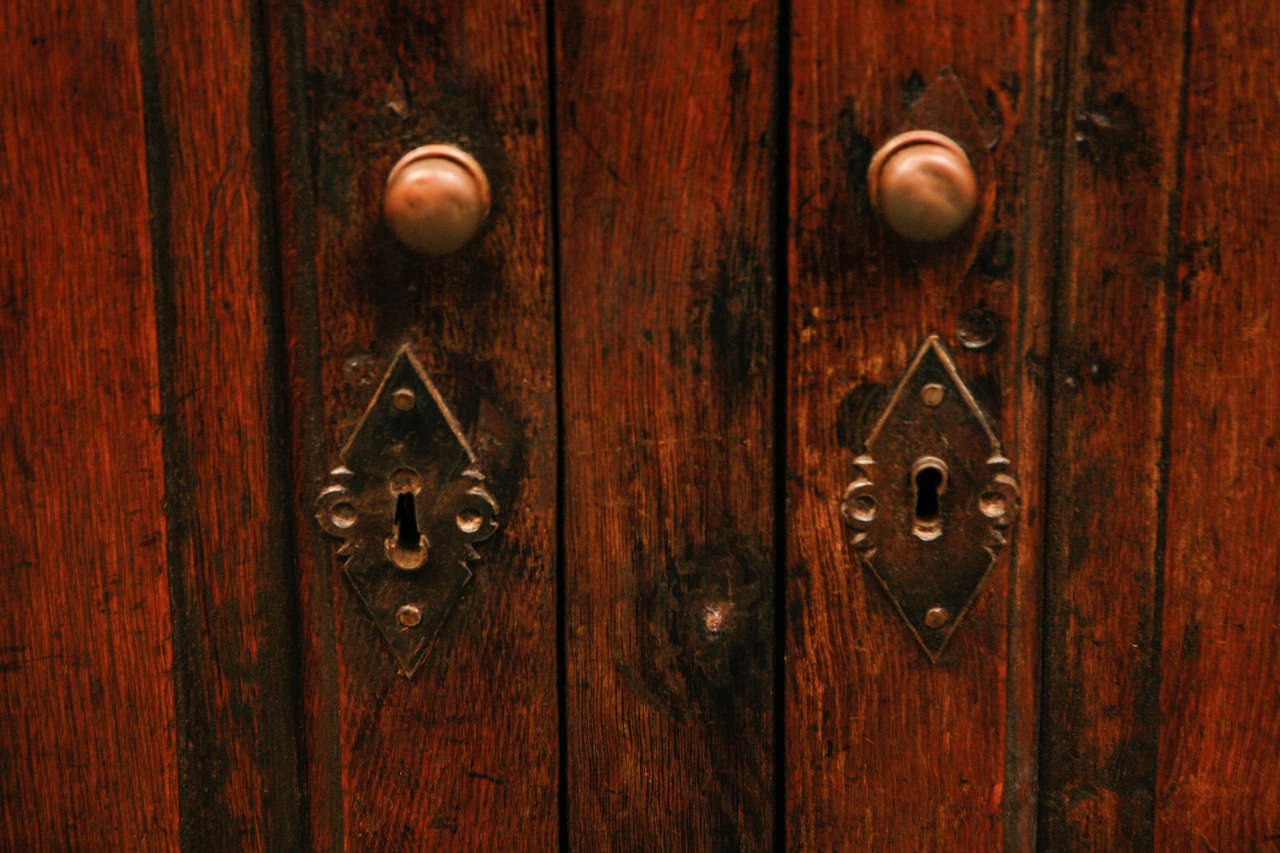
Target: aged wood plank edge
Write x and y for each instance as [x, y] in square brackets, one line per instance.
[1059, 130]
[295, 240]
[559, 533]
[1042, 252]
[780, 231]
[1200, 799]
[762, 808]
[302, 230]
[201, 736]
[1013, 811]
[86, 708]
[1171, 283]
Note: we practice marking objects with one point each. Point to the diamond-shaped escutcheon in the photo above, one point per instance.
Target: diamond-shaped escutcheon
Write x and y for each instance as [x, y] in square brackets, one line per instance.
[408, 502]
[931, 499]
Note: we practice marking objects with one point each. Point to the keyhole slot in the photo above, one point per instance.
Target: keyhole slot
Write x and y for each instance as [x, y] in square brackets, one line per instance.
[406, 522]
[929, 479]
[406, 546]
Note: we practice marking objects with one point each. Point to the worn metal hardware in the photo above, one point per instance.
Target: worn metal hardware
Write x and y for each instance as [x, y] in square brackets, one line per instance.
[436, 200]
[932, 499]
[922, 185]
[408, 502]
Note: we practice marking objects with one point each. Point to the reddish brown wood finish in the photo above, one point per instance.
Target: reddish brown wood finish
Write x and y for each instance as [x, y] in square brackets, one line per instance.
[1119, 140]
[152, 694]
[665, 165]
[464, 755]
[229, 529]
[1218, 786]
[86, 704]
[886, 750]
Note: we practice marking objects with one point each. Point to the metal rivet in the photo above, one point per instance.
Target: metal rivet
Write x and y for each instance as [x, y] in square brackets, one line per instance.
[932, 394]
[437, 197]
[469, 521]
[922, 185]
[993, 505]
[936, 617]
[977, 328]
[409, 615]
[343, 515]
[862, 508]
[714, 617]
[403, 399]
[405, 480]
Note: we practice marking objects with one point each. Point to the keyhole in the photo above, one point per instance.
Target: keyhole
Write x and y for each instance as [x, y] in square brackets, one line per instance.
[406, 522]
[930, 479]
[406, 546]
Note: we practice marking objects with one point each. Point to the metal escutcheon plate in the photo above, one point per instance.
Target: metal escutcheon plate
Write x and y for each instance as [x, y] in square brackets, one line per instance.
[932, 499]
[408, 502]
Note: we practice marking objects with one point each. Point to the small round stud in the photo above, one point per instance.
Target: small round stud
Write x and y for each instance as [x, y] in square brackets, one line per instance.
[931, 395]
[923, 185]
[437, 197]
[715, 617]
[403, 399]
[343, 515]
[409, 615]
[936, 617]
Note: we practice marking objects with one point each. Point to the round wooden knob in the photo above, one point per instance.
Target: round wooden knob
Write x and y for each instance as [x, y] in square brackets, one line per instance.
[922, 185]
[437, 197]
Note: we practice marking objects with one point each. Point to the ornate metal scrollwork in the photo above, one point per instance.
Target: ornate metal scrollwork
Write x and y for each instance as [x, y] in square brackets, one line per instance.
[931, 500]
[408, 502]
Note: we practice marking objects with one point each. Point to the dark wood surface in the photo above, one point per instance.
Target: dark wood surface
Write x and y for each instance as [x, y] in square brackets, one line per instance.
[221, 380]
[464, 755]
[1218, 779]
[1118, 134]
[882, 745]
[87, 740]
[665, 160]
[198, 297]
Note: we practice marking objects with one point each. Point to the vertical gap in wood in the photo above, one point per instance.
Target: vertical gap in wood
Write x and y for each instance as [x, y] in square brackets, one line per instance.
[1020, 829]
[191, 733]
[781, 342]
[294, 833]
[562, 639]
[1080, 77]
[1151, 693]
[1059, 122]
[321, 774]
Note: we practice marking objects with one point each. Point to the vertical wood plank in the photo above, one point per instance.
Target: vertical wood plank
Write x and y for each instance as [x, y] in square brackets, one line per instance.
[1101, 640]
[665, 161]
[86, 701]
[464, 755]
[885, 749]
[222, 380]
[1218, 787]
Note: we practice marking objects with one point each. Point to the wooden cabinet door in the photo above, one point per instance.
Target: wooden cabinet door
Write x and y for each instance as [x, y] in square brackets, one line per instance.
[665, 349]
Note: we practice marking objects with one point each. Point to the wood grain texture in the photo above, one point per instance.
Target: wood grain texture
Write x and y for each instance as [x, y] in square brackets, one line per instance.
[886, 750]
[464, 755]
[1120, 136]
[665, 159]
[230, 531]
[86, 701]
[1218, 787]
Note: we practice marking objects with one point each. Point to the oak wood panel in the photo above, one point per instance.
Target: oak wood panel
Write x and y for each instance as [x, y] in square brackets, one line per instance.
[665, 162]
[86, 700]
[1218, 782]
[1121, 131]
[886, 750]
[464, 755]
[229, 526]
